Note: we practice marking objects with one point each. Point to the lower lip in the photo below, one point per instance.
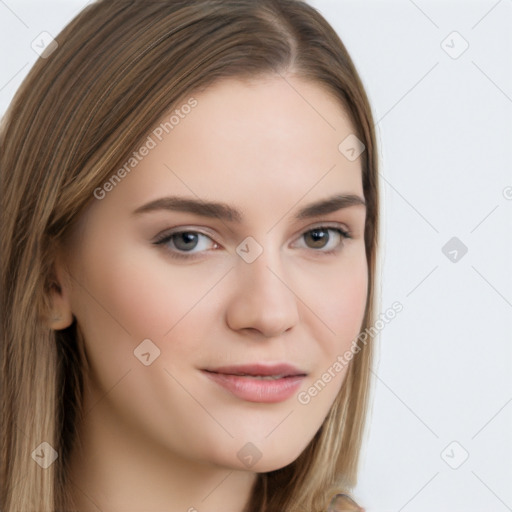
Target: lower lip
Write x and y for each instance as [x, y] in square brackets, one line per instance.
[253, 389]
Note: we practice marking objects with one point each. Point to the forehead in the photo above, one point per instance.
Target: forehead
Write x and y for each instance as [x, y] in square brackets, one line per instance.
[267, 117]
[263, 143]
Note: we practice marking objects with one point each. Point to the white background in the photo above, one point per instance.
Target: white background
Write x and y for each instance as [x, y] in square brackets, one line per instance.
[443, 374]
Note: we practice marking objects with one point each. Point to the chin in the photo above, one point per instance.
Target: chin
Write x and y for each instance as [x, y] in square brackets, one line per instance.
[272, 465]
[265, 459]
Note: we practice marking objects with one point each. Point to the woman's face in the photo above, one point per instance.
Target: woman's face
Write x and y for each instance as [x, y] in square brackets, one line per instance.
[257, 287]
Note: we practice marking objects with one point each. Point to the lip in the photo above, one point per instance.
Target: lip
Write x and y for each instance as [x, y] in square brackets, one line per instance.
[253, 389]
[259, 369]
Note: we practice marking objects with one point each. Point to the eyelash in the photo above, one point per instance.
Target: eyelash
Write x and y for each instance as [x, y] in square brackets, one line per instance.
[174, 253]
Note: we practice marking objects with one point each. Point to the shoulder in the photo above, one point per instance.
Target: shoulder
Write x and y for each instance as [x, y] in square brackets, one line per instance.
[344, 503]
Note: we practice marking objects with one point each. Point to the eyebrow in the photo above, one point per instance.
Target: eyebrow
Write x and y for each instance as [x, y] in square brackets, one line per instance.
[225, 212]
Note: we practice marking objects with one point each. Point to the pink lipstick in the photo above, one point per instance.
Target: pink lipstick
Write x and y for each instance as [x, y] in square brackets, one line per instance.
[258, 382]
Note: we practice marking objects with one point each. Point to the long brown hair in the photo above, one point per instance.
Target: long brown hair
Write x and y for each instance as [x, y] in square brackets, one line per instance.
[119, 66]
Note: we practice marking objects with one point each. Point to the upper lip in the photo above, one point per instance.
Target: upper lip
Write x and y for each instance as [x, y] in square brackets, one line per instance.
[258, 369]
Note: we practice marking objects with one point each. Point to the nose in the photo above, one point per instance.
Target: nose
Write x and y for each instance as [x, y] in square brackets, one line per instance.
[262, 301]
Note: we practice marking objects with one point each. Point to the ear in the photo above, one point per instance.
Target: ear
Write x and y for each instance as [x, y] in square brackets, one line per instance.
[60, 316]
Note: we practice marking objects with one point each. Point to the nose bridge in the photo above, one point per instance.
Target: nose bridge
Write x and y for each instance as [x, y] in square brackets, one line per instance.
[260, 274]
[263, 301]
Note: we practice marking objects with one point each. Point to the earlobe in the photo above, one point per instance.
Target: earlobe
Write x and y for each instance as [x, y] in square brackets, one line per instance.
[60, 315]
[60, 318]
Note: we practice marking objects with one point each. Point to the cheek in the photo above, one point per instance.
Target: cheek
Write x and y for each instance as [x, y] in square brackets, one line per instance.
[125, 295]
[340, 305]
[132, 296]
[349, 314]
[339, 296]
[145, 293]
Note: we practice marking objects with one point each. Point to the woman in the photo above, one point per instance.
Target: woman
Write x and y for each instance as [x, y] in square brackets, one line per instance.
[189, 235]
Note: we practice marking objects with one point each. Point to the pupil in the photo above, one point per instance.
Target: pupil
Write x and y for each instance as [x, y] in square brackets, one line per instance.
[319, 237]
[185, 240]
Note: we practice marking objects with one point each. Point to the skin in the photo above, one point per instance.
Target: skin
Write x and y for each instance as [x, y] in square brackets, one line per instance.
[164, 437]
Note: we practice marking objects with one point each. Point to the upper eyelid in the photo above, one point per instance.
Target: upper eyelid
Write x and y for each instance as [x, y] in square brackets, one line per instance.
[195, 229]
[344, 232]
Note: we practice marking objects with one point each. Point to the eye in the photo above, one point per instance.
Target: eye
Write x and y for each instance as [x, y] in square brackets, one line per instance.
[183, 244]
[184, 241]
[321, 237]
